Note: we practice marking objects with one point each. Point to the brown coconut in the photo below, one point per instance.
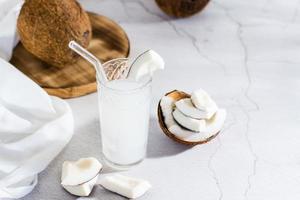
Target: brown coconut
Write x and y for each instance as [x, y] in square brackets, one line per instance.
[181, 8]
[47, 26]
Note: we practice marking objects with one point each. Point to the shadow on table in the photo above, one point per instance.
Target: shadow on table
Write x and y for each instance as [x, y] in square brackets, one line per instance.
[86, 142]
[159, 145]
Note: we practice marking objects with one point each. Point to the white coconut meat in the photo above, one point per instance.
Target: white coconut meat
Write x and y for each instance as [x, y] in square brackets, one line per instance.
[188, 122]
[145, 65]
[167, 105]
[126, 186]
[79, 177]
[83, 189]
[186, 107]
[213, 126]
[203, 101]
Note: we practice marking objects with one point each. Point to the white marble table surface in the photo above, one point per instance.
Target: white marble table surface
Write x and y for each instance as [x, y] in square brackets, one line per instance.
[247, 55]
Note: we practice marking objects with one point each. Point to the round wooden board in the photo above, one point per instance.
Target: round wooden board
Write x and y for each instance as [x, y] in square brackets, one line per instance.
[109, 41]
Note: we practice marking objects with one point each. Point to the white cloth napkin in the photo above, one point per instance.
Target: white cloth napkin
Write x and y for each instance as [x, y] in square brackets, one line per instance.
[34, 127]
[9, 11]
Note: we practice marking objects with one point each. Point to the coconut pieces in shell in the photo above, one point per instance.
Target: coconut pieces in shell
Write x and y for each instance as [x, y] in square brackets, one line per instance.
[46, 28]
[186, 130]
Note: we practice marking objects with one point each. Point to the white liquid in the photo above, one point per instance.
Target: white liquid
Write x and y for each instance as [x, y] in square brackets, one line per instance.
[124, 121]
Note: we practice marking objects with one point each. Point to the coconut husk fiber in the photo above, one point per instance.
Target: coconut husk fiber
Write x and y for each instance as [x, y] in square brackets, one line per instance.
[47, 26]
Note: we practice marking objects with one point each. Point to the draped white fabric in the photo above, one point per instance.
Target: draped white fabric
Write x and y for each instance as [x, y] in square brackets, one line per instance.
[34, 127]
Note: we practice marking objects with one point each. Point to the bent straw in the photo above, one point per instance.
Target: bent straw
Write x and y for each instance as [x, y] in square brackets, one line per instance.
[90, 58]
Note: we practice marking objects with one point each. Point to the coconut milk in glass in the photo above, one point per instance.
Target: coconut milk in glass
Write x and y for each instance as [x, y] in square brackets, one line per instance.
[124, 120]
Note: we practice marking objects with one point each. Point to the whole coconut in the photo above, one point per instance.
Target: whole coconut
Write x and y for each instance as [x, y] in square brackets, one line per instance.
[47, 26]
[181, 8]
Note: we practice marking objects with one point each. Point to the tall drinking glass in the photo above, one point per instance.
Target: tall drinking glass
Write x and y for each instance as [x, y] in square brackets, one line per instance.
[124, 118]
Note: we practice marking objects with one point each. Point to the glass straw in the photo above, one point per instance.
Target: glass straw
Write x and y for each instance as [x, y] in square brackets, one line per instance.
[90, 58]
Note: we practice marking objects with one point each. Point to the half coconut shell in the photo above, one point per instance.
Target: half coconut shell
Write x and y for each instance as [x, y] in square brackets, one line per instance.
[177, 95]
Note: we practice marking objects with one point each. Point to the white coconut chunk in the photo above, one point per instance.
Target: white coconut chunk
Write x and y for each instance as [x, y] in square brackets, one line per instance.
[188, 122]
[187, 108]
[125, 186]
[203, 101]
[83, 189]
[167, 103]
[213, 126]
[169, 121]
[80, 176]
[145, 64]
[167, 106]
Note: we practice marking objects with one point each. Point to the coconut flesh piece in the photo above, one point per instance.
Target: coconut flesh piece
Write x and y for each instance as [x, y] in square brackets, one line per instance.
[126, 186]
[167, 105]
[203, 101]
[186, 107]
[145, 65]
[187, 122]
[79, 177]
[213, 125]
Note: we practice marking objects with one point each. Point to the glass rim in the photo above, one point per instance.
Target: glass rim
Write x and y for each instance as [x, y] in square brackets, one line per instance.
[139, 87]
[142, 84]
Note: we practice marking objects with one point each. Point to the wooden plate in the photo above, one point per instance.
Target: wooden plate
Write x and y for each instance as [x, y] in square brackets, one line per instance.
[109, 41]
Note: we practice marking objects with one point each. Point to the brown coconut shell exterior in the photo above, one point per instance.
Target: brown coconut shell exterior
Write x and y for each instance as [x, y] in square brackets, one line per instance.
[181, 8]
[47, 26]
[177, 95]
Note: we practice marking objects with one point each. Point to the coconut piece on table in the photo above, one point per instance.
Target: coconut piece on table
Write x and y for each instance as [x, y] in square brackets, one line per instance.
[79, 177]
[126, 186]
